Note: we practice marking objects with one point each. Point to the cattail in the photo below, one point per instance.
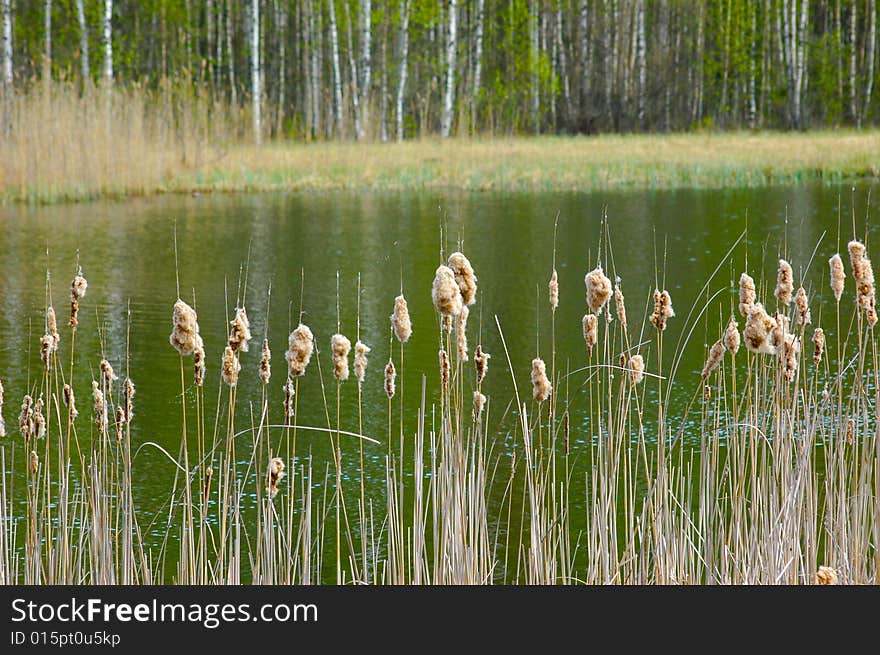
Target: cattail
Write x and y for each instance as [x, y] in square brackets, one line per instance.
[837, 275]
[340, 346]
[276, 472]
[784, 282]
[554, 291]
[200, 368]
[209, 475]
[481, 361]
[464, 278]
[620, 306]
[479, 403]
[598, 289]
[78, 287]
[128, 392]
[35, 462]
[802, 319]
[26, 418]
[716, 352]
[230, 367]
[541, 386]
[185, 333]
[779, 331]
[360, 361]
[707, 393]
[266, 363]
[39, 419]
[662, 309]
[756, 333]
[788, 357]
[461, 333]
[746, 294]
[445, 292]
[288, 400]
[70, 401]
[100, 407]
[52, 327]
[299, 353]
[591, 331]
[863, 273]
[108, 376]
[46, 343]
[850, 431]
[826, 576]
[819, 343]
[390, 378]
[636, 369]
[119, 422]
[731, 337]
[400, 320]
[444, 368]
[240, 333]
[2, 420]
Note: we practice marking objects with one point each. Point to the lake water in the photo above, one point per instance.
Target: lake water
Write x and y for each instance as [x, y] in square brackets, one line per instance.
[127, 254]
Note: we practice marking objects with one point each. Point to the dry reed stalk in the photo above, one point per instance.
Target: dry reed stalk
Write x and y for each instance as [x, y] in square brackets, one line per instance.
[826, 576]
[2, 420]
[553, 287]
[240, 333]
[716, 352]
[46, 344]
[200, 367]
[759, 325]
[70, 402]
[802, 318]
[185, 331]
[541, 387]
[662, 309]
[390, 379]
[636, 369]
[481, 362]
[731, 336]
[819, 343]
[360, 361]
[461, 343]
[128, 392]
[26, 418]
[288, 399]
[784, 283]
[837, 275]
[591, 331]
[100, 407]
[265, 363]
[299, 353]
[446, 295]
[108, 375]
[789, 352]
[620, 305]
[863, 272]
[598, 290]
[400, 320]
[209, 475]
[52, 327]
[78, 287]
[39, 419]
[444, 368]
[464, 277]
[746, 294]
[275, 474]
[119, 422]
[479, 403]
[230, 367]
[340, 346]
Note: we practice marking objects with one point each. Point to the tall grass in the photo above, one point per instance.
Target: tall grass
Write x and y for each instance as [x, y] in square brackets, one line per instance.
[761, 480]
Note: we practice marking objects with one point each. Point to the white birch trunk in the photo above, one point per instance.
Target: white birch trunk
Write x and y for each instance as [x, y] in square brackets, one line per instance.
[383, 135]
[281, 20]
[477, 79]
[853, 47]
[401, 78]
[451, 49]
[641, 62]
[108, 42]
[533, 65]
[47, 34]
[870, 50]
[584, 43]
[352, 65]
[366, 9]
[316, 78]
[753, 40]
[563, 66]
[230, 55]
[7, 66]
[337, 72]
[83, 40]
[256, 91]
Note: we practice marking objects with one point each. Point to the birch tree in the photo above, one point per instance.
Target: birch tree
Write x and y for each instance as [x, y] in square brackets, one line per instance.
[256, 91]
[478, 62]
[641, 61]
[401, 76]
[451, 49]
[7, 66]
[366, 63]
[870, 45]
[337, 73]
[83, 40]
[47, 40]
[107, 24]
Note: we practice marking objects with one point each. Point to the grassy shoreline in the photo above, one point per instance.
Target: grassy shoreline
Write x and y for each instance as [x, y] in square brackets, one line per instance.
[564, 164]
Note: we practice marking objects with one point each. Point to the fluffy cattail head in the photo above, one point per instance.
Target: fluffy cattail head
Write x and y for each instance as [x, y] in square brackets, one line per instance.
[662, 309]
[716, 352]
[598, 289]
[340, 346]
[789, 356]
[445, 292]
[265, 363]
[100, 407]
[819, 343]
[444, 368]
[591, 331]
[274, 476]
[70, 402]
[26, 418]
[481, 361]
[199, 366]
[78, 288]
[128, 392]
[636, 369]
[288, 400]
[39, 419]
[837, 275]
[620, 306]
[464, 277]
[119, 422]
[209, 475]
[731, 337]
[553, 287]
[541, 387]
[826, 576]
[784, 282]
[400, 321]
[360, 361]
[780, 329]
[390, 379]
[802, 318]
[46, 347]
[240, 332]
[185, 332]
[746, 294]
[52, 327]
[230, 367]
[759, 325]
[300, 347]
[461, 334]
[108, 376]
[34, 462]
[863, 273]
[479, 403]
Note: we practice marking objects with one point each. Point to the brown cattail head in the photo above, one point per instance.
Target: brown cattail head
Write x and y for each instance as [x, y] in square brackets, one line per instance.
[553, 286]
[400, 320]
[230, 367]
[288, 400]
[46, 346]
[716, 352]
[591, 331]
[863, 273]
[108, 376]
[445, 293]
[620, 306]
[759, 325]
[636, 369]
[199, 366]
[731, 337]
[819, 343]
[789, 358]
[240, 332]
[746, 294]
[461, 334]
[826, 576]
[479, 403]
[360, 361]
[209, 475]
[265, 363]
[784, 282]
[598, 289]
[128, 392]
[837, 275]
[541, 387]
[481, 361]
[662, 309]
[299, 353]
[464, 277]
[185, 332]
[119, 422]
[78, 287]
[850, 430]
[39, 419]
[100, 407]
[35, 462]
[780, 329]
[340, 346]
[26, 418]
[390, 379]
[70, 402]
[802, 318]
[276, 472]
[52, 327]
[444, 368]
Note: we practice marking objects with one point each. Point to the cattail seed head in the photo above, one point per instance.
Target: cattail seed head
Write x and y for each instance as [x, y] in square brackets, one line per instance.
[541, 387]
[731, 337]
[850, 430]
[340, 346]
[360, 361]
[35, 462]
[789, 358]
[46, 345]
[662, 309]
[119, 422]
[128, 392]
[444, 368]
[819, 343]
[746, 294]
[185, 332]
[784, 282]
[390, 378]
[200, 368]
[636, 369]
[265, 363]
[400, 321]
[70, 402]
[802, 318]
[837, 275]
[78, 287]
[826, 576]
[300, 347]
[620, 306]
[52, 327]
[591, 331]
[445, 293]
[26, 418]
[275, 474]
[598, 289]
[230, 367]
[108, 376]
[39, 419]
[461, 334]
[464, 277]
[863, 273]
[209, 475]
[759, 325]
[481, 362]
[716, 352]
[780, 329]
[100, 407]
[479, 403]
[553, 287]
[240, 333]
[288, 400]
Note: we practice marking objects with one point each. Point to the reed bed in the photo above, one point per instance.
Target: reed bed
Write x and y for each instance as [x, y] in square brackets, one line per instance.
[770, 476]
